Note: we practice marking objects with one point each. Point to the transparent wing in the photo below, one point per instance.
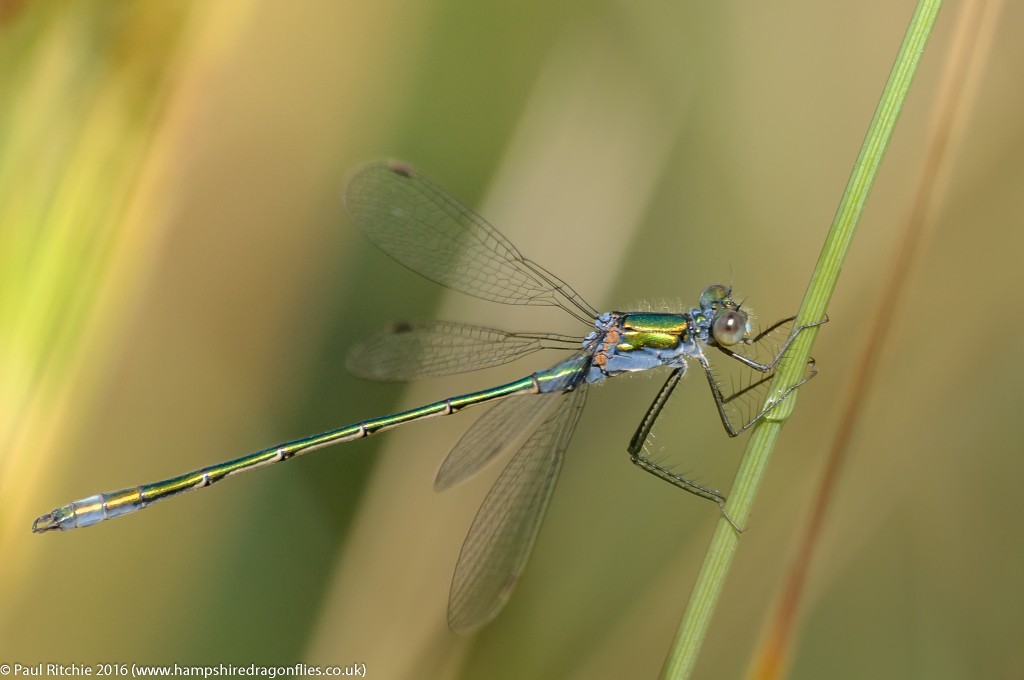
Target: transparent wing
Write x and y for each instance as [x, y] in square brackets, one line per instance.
[505, 528]
[411, 350]
[502, 427]
[431, 233]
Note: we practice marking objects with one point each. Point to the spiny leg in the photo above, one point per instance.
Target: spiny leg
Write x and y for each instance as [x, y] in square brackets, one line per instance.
[636, 443]
[762, 367]
[637, 457]
[721, 400]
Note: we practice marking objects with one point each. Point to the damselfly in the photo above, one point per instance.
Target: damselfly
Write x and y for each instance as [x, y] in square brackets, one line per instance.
[431, 233]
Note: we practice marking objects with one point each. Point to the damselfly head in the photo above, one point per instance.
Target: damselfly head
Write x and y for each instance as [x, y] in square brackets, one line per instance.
[715, 296]
[729, 325]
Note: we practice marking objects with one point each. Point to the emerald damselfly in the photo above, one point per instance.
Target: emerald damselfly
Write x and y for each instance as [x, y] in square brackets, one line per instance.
[431, 233]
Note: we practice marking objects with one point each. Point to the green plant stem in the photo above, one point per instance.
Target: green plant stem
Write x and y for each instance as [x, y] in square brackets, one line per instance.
[693, 628]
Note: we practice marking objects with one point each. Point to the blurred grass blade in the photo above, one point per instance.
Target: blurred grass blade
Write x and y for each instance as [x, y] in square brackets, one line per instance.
[77, 121]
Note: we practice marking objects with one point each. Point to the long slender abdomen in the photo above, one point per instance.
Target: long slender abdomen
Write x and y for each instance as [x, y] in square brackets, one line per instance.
[95, 509]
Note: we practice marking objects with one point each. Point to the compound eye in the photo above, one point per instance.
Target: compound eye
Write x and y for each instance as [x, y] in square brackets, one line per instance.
[714, 295]
[729, 327]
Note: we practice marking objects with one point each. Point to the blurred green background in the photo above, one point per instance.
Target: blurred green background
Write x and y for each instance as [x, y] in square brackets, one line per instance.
[179, 284]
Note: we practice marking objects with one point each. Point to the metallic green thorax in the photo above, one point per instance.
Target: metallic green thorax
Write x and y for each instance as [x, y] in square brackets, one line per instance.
[653, 330]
